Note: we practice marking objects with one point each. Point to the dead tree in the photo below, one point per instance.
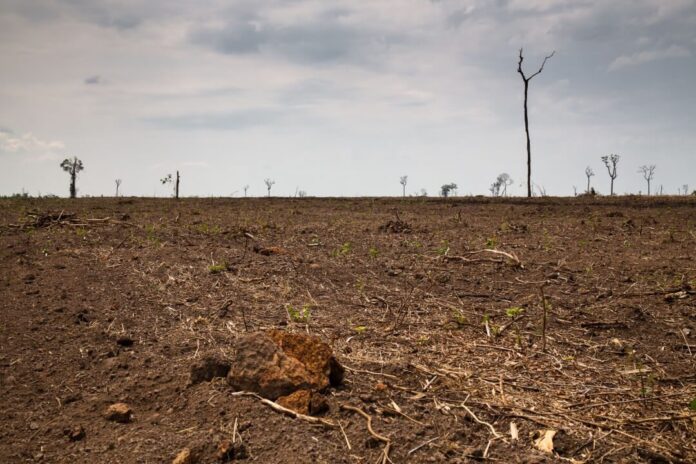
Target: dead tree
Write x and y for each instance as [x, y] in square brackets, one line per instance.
[269, 183]
[403, 180]
[589, 173]
[73, 167]
[168, 180]
[526, 80]
[118, 184]
[246, 187]
[648, 174]
[610, 161]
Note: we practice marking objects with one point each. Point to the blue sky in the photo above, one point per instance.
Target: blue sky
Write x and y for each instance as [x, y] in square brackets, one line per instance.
[343, 97]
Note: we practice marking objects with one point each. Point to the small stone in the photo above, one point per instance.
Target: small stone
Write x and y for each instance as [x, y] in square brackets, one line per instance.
[318, 405]
[228, 451]
[76, 433]
[208, 368]
[119, 412]
[185, 456]
[33, 426]
[381, 386]
[124, 340]
[298, 401]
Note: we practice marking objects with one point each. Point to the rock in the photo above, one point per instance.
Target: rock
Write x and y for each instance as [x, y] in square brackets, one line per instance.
[119, 412]
[228, 451]
[277, 363]
[318, 405]
[298, 401]
[76, 433]
[207, 368]
[124, 340]
[185, 456]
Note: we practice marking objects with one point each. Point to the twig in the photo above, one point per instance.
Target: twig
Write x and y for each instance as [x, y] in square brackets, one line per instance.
[368, 418]
[490, 427]
[344, 435]
[286, 411]
[543, 320]
[422, 445]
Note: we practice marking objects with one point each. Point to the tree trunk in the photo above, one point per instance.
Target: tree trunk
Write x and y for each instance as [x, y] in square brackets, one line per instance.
[176, 186]
[73, 190]
[611, 191]
[529, 147]
[588, 184]
[648, 187]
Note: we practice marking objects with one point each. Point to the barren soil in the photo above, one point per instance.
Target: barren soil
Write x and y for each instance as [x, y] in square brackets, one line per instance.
[113, 300]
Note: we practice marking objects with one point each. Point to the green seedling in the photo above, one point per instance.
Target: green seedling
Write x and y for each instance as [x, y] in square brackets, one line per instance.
[491, 243]
[360, 329]
[373, 252]
[218, 268]
[300, 315]
[443, 249]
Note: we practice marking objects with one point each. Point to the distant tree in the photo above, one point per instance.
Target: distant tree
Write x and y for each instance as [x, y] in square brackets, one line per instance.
[648, 174]
[685, 187]
[246, 187]
[423, 193]
[73, 167]
[403, 180]
[168, 179]
[499, 187]
[610, 161]
[118, 184]
[589, 173]
[526, 80]
[269, 183]
[575, 191]
[446, 189]
[302, 194]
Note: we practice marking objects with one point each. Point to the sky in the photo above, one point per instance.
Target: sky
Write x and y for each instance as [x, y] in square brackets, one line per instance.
[342, 98]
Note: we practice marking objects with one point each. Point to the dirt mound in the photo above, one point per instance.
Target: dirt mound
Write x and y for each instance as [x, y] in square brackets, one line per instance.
[276, 363]
[396, 227]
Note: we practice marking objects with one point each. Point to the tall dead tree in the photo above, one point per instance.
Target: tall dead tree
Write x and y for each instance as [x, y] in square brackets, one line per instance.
[589, 173]
[403, 180]
[73, 167]
[526, 80]
[269, 184]
[648, 174]
[118, 184]
[610, 161]
[169, 180]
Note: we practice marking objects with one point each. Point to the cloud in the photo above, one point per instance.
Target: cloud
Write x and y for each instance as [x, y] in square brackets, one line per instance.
[646, 56]
[27, 143]
[93, 80]
[228, 121]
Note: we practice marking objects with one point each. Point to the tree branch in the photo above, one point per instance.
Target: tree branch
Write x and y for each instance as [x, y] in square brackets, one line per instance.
[542, 65]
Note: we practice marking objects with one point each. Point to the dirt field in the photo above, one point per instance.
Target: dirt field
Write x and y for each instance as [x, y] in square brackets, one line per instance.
[113, 300]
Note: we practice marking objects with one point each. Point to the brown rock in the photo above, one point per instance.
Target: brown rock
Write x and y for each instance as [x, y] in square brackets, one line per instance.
[298, 401]
[76, 433]
[185, 456]
[208, 368]
[228, 451]
[315, 355]
[277, 363]
[318, 405]
[119, 412]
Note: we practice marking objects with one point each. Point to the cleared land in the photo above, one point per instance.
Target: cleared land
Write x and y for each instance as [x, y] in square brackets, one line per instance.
[441, 340]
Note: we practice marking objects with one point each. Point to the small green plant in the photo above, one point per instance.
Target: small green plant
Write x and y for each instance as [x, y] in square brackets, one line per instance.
[692, 404]
[443, 249]
[514, 311]
[343, 250]
[81, 232]
[491, 243]
[373, 252]
[360, 328]
[301, 315]
[207, 229]
[459, 317]
[218, 268]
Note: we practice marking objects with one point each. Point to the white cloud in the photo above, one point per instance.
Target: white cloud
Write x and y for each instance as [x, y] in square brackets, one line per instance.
[646, 56]
[27, 143]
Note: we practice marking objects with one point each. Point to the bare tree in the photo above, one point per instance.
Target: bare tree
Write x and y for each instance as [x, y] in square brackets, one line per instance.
[168, 179]
[526, 80]
[246, 187]
[73, 167]
[648, 174]
[589, 173]
[269, 183]
[610, 161]
[685, 188]
[403, 180]
[118, 184]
